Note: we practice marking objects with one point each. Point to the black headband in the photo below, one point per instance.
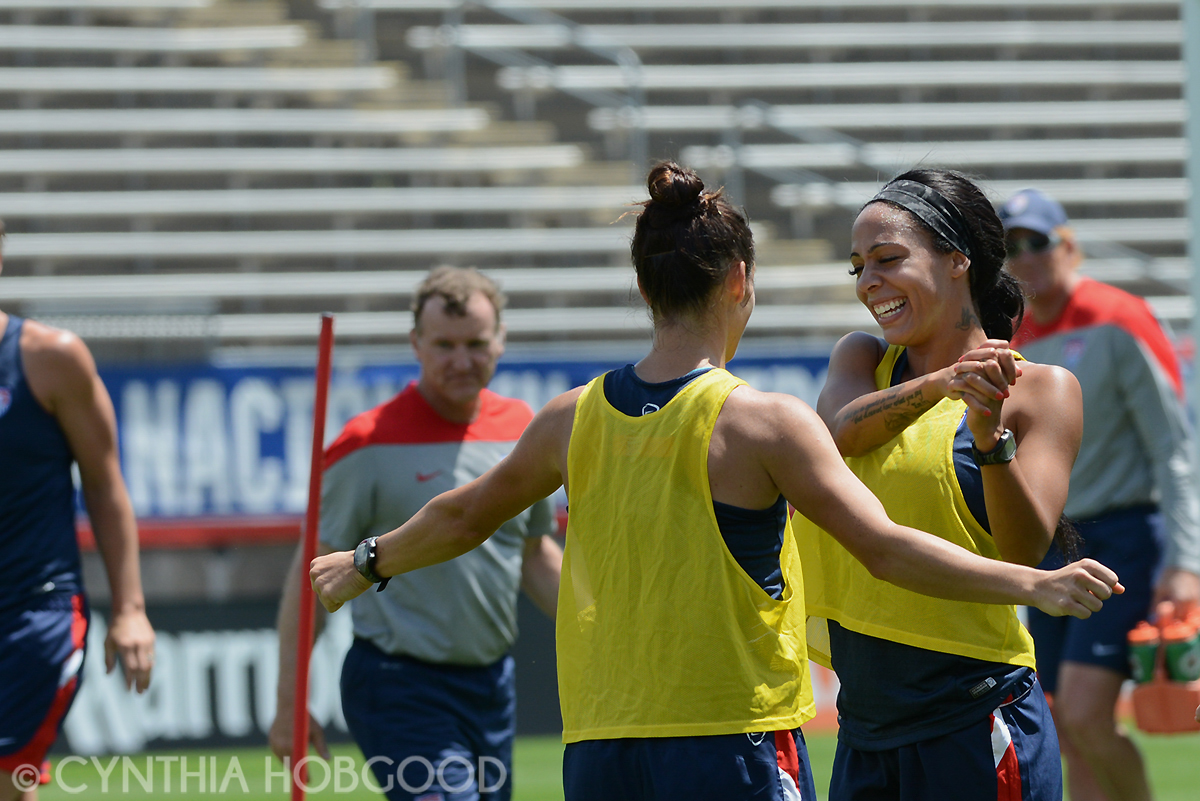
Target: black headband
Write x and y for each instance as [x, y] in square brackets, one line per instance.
[932, 208]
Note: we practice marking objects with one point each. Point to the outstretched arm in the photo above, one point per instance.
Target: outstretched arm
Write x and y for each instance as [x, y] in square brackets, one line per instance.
[798, 452]
[63, 378]
[463, 518]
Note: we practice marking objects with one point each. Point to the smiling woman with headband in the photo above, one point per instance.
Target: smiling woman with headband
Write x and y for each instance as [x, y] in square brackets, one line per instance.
[939, 699]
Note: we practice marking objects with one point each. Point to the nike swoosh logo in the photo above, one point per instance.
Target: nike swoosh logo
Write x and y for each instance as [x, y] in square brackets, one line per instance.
[423, 477]
[1104, 650]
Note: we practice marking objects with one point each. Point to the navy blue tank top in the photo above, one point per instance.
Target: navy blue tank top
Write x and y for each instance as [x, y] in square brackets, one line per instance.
[894, 694]
[754, 537]
[39, 555]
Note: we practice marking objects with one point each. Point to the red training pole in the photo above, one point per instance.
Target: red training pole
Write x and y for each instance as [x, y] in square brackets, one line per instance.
[304, 633]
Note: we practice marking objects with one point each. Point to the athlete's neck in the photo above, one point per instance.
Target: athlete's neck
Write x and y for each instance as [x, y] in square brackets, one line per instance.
[679, 348]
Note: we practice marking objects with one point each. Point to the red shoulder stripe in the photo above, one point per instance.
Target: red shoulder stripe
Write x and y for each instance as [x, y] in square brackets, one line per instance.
[408, 419]
[1094, 303]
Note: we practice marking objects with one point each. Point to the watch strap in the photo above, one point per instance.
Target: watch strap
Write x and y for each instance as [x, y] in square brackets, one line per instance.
[1004, 451]
[364, 563]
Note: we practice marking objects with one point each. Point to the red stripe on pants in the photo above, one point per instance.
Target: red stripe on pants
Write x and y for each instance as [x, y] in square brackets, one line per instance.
[787, 756]
[1008, 774]
[35, 750]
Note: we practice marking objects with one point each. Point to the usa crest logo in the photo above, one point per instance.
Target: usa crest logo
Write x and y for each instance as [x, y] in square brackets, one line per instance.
[1073, 351]
[5, 400]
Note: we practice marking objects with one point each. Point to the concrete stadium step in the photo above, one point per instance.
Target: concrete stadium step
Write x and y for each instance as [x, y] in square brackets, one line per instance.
[315, 160]
[262, 202]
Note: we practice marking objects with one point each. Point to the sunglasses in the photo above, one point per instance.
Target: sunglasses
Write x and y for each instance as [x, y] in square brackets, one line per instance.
[1031, 243]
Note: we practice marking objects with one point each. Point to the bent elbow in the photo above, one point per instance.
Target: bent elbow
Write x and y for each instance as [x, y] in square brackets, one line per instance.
[469, 534]
[1026, 558]
[848, 444]
[878, 565]
[1028, 554]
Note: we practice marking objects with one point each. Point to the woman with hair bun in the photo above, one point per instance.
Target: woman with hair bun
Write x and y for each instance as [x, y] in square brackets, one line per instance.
[939, 698]
[681, 625]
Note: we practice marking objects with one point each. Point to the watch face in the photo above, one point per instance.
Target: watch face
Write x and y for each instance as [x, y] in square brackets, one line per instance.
[1004, 451]
[361, 558]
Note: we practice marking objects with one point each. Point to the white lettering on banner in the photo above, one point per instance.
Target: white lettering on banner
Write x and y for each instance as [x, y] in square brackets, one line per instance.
[197, 448]
[346, 399]
[184, 452]
[254, 408]
[195, 675]
[150, 446]
[298, 396]
[206, 458]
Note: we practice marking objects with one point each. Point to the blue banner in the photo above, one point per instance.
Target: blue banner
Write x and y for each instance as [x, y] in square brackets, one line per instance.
[205, 440]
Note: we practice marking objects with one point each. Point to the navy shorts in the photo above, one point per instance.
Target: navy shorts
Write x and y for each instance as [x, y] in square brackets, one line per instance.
[772, 766]
[1011, 754]
[432, 732]
[41, 655]
[1130, 542]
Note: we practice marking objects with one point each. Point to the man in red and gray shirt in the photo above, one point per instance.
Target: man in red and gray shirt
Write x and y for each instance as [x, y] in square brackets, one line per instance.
[427, 687]
[1132, 495]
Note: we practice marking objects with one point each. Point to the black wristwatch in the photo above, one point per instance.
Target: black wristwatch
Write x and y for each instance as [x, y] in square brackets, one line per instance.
[364, 562]
[1004, 451]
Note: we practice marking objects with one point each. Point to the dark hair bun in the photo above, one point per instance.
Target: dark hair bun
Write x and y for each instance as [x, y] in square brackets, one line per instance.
[672, 185]
[685, 241]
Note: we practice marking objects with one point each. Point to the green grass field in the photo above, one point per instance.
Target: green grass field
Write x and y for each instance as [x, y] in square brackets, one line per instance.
[1173, 762]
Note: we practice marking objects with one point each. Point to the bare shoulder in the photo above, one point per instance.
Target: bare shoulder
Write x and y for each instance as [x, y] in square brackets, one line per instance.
[56, 361]
[557, 417]
[766, 417]
[1048, 383]
[852, 365]
[563, 405]
[1046, 398]
[858, 348]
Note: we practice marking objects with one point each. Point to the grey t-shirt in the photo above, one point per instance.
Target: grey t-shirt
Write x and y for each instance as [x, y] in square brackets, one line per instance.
[386, 465]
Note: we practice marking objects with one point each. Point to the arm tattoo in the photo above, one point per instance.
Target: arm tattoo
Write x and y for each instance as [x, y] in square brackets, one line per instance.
[968, 320]
[898, 409]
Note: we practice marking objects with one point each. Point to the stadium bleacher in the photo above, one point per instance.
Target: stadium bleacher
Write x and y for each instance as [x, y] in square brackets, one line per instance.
[366, 200]
[101, 5]
[797, 36]
[304, 122]
[307, 160]
[801, 107]
[96, 39]
[234, 141]
[230, 138]
[721, 5]
[859, 75]
[176, 80]
[868, 116]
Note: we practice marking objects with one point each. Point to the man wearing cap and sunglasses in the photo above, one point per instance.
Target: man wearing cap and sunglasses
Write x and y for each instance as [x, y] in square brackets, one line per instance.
[1132, 493]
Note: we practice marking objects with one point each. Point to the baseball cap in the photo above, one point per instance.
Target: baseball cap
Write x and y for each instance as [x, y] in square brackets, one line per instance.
[1032, 209]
